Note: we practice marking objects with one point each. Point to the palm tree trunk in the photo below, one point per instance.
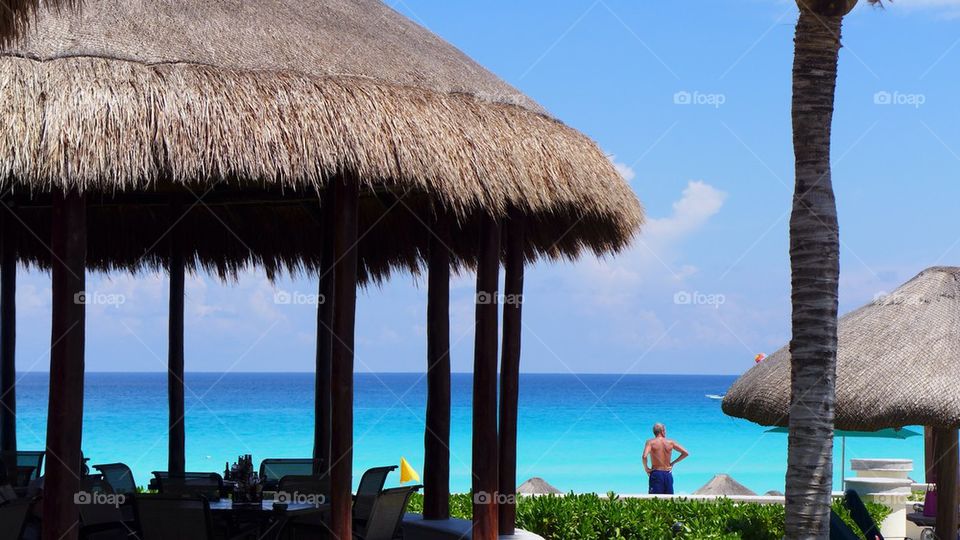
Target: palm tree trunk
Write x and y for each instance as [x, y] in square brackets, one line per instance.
[814, 259]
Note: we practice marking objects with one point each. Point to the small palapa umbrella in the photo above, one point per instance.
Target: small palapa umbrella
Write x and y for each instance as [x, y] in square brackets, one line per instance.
[891, 433]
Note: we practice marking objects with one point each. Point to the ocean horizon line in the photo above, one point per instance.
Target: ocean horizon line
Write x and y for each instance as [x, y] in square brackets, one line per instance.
[245, 372]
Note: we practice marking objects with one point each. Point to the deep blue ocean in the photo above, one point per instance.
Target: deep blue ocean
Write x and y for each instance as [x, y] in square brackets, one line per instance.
[579, 432]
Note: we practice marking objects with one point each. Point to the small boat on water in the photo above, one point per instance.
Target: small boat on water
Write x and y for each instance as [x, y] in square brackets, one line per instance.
[714, 396]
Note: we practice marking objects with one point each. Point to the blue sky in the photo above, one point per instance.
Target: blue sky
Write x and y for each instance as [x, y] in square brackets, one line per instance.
[706, 286]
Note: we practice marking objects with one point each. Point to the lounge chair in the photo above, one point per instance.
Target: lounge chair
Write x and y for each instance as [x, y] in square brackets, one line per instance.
[371, 484]
[169, 518]
[13, 517]
[386, 515]
[29, 466]
[273, 469]
[860, 515]
[839, 530]
[189, 484]
[119, 476]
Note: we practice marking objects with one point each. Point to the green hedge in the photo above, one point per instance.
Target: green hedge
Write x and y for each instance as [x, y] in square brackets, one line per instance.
[591, 517]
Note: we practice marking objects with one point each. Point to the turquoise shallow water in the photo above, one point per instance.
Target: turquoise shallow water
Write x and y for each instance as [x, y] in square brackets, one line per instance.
[579, 432]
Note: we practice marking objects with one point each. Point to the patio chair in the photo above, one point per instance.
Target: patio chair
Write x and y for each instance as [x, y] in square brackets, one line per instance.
[860, 515]
[13, 517]
[29, 466]
[161, 517]
[101, 511]
[371, 484]
[189, 484]
[299, 488]
[386, 514]
[273, 469]
[119, 476]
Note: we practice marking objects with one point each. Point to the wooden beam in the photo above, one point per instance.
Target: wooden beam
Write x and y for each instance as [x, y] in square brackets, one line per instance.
[8, 342]
[344, 314]
[947, 462]
[65, 410]
[929, 456]
[322, 431]
[176, 452]
[510, 372]
[485, 383]
[436, 455]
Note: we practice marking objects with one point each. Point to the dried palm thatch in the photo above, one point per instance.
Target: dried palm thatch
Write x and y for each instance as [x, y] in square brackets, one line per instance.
[724, 485]
[898, 363]
[537, 486]
[148, 97]
[15, 15]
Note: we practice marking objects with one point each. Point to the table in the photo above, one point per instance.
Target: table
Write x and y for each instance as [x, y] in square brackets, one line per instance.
[271, 519]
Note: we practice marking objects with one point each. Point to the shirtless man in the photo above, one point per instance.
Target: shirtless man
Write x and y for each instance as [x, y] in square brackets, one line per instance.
[660, 450]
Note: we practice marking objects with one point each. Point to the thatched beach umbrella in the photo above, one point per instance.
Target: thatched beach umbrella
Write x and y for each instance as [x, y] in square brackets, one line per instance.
[537, 486]
[898, 364]
[723, 485]
[203, 134]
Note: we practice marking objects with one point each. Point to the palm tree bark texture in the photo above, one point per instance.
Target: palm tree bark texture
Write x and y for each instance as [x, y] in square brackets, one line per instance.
[815, 268]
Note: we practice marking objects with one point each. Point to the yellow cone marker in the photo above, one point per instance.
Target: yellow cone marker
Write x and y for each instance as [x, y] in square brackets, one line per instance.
[407, 474]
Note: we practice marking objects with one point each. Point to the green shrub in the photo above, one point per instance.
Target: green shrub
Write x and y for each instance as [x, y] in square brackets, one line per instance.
[591, 517]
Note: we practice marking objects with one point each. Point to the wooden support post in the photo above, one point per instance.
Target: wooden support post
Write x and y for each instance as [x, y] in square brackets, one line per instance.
[436, 456]
[929, 456]
[176, 451]
[947, 462]
[344, 313]
[485, 453]
[510, 371]
[322, 432]
[65, 410]
[8, 343]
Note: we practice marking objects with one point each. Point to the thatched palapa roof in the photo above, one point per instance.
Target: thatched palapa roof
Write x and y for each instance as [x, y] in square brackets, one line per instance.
[724, 485]
[898, 363]
[135, 100]
[15, 15]
[537, 486]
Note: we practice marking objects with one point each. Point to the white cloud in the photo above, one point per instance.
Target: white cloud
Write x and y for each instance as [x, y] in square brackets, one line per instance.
[625, 170]
[699, 202]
